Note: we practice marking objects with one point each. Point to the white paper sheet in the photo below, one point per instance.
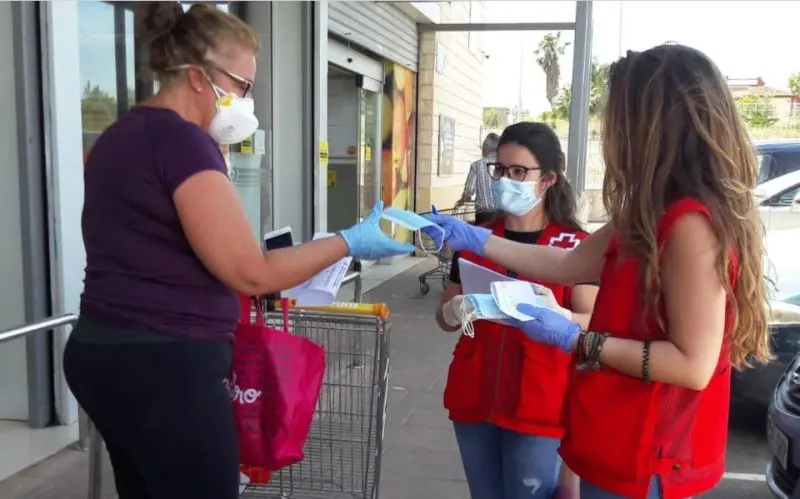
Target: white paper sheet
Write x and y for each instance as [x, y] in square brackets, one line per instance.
[509, 294]
[323, 287]
[476, 279]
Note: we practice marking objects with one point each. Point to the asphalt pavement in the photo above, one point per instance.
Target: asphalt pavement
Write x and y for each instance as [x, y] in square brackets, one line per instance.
[420, 458]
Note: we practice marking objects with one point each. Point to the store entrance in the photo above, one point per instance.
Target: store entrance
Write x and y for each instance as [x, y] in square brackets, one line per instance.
[354, 146]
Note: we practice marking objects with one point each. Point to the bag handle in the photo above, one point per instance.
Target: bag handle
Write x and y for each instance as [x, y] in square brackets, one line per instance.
[285, 312]
[250, 302]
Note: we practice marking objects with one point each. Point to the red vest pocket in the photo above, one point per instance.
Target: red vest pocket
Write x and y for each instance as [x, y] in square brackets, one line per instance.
[608, 422]
[542, 385]
[462, 391]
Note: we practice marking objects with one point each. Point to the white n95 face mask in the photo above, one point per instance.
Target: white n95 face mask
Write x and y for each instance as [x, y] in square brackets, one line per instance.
[235, 119]
[419, 224]
[478, 307]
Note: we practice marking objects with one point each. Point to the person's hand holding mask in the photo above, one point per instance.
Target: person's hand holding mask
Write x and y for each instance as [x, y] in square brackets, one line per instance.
[367, 241]
[459, 235]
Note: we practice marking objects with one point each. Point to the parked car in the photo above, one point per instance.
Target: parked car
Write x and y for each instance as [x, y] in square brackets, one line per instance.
[783, 435]
[777, 157]
[779, 206]
[779, 202]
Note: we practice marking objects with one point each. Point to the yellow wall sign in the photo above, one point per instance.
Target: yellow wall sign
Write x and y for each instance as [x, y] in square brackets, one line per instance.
[323, 152]
[331, 178]
[246, 146]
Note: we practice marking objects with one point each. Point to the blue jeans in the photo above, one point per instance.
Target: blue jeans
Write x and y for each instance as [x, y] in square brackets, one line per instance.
[589, 491]
[502, 464]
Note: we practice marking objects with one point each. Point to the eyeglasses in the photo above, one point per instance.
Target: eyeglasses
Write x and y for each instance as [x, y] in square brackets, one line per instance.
[245, 84]
[514, 172]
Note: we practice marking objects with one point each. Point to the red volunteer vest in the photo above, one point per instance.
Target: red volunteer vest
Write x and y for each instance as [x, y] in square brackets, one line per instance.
[502, 377]
[619, 431]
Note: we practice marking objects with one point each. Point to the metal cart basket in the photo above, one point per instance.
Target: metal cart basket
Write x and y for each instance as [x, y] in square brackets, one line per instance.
[343, 451]
[464, 211]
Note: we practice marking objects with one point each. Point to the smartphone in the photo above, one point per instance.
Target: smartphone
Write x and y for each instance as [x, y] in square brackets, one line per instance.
[281, 238]
[277, 239]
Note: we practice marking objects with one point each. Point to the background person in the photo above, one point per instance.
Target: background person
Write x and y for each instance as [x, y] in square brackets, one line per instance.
[168, 245]
[508, 427]
[479, 184]
[682, 296]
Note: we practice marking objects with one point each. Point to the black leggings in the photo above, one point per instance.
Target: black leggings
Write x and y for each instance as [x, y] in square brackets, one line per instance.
[164, 415]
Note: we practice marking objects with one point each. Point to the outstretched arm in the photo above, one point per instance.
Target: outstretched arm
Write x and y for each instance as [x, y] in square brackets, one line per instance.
[694, 302]
[551, 264]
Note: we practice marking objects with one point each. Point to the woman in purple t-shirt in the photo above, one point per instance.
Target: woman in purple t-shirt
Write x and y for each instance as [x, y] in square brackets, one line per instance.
[168, 245]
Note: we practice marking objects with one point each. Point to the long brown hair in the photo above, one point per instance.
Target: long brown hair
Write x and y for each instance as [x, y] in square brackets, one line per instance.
[672, 130]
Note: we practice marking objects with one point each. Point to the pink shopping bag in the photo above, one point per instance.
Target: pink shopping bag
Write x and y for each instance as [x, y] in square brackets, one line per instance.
[274, 385]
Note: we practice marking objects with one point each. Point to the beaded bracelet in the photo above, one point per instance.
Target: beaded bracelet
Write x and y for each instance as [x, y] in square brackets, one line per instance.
[646, 362]
[588, 349]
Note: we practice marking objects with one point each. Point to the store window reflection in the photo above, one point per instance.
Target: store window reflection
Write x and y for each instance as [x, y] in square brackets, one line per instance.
[113, 75]
[114, 78]
[107, 65]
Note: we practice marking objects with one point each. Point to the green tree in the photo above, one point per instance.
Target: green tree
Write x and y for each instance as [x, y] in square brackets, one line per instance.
[98, 108]
[756, 109]
[548, 56]
[794, 83]
[598, 93]
[563, 103]
[495, 118]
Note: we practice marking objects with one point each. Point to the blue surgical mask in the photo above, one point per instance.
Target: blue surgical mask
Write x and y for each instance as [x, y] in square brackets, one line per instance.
[419, 224]
[478, 307]
[513, 196]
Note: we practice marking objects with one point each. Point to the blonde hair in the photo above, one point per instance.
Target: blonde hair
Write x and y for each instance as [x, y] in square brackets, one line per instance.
[672, 130]
[196, 36]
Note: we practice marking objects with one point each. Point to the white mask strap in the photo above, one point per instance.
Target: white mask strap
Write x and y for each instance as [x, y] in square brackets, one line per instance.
[468, 315]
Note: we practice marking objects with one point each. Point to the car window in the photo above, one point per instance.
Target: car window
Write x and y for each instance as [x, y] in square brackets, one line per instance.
[786, 197]
[762, 173]
[783, 163]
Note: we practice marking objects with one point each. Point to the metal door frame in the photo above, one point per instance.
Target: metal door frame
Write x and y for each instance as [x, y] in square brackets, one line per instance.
[30, 95]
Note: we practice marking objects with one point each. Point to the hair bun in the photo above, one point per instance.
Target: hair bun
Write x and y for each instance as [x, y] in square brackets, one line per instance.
[159, 18]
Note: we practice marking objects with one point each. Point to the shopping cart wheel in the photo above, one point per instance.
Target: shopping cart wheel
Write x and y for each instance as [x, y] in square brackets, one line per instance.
[424, 288]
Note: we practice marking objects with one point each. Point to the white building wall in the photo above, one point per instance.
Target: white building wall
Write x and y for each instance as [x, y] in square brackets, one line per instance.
[292, 193]
[454, 90]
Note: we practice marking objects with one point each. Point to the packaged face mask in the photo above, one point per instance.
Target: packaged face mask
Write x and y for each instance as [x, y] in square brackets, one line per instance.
[417, 223]
[478, 307]
[510, 294]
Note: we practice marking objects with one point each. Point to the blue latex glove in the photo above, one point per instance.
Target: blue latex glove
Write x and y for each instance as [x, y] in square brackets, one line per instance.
[548, 326]
[458, 234]
[367, 241]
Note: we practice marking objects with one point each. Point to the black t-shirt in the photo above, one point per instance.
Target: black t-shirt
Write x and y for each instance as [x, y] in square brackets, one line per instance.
[511, 235]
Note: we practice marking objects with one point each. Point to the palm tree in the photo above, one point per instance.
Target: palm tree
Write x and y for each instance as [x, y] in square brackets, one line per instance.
[550, 50]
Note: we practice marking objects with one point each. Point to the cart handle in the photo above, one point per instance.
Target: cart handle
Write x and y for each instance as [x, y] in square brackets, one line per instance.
[379, 310]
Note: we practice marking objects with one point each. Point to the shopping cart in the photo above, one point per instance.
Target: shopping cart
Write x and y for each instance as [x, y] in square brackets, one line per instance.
[343, 451]
[464, 211]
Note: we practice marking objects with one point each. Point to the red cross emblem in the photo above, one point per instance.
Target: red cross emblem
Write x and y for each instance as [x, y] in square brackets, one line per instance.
[564, 240]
